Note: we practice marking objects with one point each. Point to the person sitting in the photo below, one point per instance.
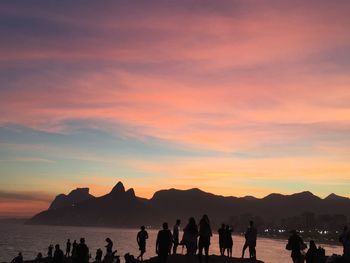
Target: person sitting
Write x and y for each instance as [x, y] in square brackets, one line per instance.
[98, 257]
[18, 259]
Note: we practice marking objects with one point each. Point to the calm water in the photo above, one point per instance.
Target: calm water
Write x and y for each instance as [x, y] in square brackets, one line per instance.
[33, 239]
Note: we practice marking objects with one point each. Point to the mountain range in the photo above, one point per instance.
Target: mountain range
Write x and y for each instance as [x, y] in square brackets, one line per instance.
[122, 208]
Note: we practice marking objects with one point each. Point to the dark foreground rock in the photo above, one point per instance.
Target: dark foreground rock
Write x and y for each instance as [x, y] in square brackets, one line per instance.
[194, 259]
[172, 259]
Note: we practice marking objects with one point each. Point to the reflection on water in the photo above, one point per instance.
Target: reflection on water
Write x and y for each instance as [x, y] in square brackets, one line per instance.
[33, 239]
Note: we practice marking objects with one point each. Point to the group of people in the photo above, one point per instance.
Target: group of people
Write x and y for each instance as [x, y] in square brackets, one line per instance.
[315, 255]
[196, 239]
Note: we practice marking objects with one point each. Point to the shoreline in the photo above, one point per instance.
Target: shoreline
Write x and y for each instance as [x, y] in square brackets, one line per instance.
[334, 243]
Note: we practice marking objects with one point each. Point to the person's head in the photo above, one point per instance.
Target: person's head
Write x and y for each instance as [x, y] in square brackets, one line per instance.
[227, 227]
[178, 222]
[20, 254]
[142, 228]
[165, 226]
[204, 221]
[293, 232]
[222, 225]
[82, 240]
[205, 218]
[68, 240]
[191, 221]
[57, 246]
[251, 223]
[108, 240]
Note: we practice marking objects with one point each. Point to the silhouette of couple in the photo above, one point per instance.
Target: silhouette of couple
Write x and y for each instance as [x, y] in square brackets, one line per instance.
[250, 240]
[225, 240]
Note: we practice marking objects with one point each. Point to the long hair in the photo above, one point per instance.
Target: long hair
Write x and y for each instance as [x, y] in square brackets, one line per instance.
[192, 226]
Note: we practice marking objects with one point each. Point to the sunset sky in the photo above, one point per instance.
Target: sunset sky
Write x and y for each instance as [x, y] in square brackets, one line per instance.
[234, 97]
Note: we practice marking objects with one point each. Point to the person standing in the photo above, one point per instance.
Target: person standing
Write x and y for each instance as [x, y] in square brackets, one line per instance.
[74, 249]
[141, 238]
[109, 246]
[58, 256]
[250, 240]
[205, 234]
[176, 231]
[163, 243]
[221, 233]
[49, 251]
[295, 244]
[345, 240]
[228, 241]
[82, 252]
[311, 254]
[68, 247]
[190, 235]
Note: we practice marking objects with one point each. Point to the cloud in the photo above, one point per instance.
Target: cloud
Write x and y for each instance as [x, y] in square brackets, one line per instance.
[25, 196]
[121, 87]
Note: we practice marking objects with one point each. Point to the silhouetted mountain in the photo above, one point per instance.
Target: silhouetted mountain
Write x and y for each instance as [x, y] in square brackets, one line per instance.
[336, 197]
[74, 197]
[117, 208]
[124, 209]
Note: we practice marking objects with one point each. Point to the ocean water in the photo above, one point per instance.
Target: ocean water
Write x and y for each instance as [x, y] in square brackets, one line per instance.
[30, 240]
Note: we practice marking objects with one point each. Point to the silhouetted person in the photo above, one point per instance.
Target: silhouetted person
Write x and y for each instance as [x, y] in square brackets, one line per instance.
[141, 238]
[176, 231]
[205, 234]
[164, 243]
[295, 244]
[39, 257]
[250, 240]
[18, 259]
[311, 254]
[109, 257]
[345, 240]
[74, 249]
[49, 251]
[58, 255]
[221, 233]
[98, 257]
[129, 258]
[228, 241]
[82, 252]
[109, 246]
[68, 248]
[190, 235]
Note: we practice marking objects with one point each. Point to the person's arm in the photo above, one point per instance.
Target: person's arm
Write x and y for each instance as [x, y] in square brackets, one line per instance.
[157, 243]
[170, 241]
[138, 238]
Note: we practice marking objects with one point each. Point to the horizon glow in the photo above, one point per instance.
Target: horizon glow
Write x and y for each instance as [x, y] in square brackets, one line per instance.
[234, 97]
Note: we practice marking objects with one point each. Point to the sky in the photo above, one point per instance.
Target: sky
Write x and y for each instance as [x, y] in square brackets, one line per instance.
[234, 97]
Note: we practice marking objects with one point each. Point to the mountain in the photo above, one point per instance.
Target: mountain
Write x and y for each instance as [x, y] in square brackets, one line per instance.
[74, 197]
[124, 209]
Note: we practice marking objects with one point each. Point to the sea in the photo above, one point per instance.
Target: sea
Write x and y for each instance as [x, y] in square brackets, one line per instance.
[30, 240]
